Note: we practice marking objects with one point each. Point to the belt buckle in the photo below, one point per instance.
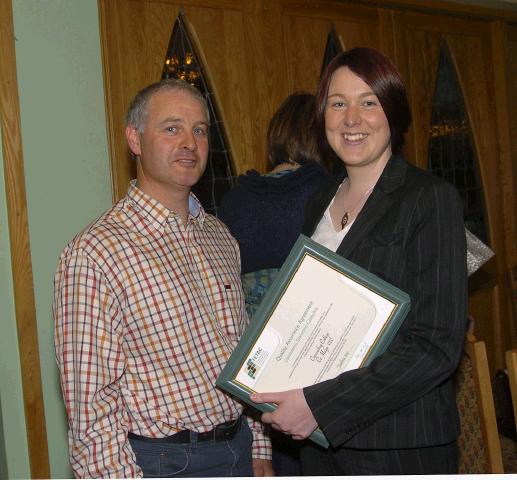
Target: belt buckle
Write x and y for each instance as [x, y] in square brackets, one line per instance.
[226, 430]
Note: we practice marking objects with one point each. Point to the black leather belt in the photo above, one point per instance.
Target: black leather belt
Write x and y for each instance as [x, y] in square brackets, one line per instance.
[224, 431]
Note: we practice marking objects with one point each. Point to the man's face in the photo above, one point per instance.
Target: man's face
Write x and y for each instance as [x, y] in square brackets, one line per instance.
[173, 147]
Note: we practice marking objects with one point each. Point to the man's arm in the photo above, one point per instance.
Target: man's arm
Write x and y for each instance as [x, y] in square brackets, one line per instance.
[88, 342]
[261, 449]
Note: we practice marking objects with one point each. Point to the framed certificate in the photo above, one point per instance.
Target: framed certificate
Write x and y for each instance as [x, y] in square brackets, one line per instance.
[323, 315]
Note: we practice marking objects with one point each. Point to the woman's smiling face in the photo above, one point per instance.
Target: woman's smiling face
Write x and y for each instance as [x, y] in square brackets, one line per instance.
[355, 123]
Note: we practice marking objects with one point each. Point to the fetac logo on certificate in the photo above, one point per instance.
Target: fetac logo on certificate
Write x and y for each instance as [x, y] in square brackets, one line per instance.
[259, 356]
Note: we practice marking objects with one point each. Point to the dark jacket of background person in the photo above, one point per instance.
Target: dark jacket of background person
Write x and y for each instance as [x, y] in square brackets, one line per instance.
[265, 213]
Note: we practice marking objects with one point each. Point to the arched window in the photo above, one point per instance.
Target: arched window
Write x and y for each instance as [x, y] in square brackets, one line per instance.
[451, 152]
[184, 62]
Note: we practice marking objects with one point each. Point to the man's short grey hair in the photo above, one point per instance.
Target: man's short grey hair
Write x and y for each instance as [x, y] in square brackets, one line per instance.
[137, 112]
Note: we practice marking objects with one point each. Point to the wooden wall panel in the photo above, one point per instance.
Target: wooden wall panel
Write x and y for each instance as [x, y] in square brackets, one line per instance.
[510, 60]
[305, 40]
[469, 42]
[267, 76]
[227, 63]
[135, 39]
[242, 45]
[423, 49]
[259, 51]
[363, 33]
[306, 29]
[472, 67]
[511, 76]
[473, 64]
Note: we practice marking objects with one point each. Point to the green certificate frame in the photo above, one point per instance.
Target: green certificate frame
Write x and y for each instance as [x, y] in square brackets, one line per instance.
[323, 315]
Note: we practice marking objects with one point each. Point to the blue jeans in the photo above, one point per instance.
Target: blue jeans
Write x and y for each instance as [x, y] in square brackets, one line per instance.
[231, 458]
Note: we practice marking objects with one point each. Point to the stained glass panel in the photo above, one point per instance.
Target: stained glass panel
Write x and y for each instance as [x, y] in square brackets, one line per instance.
[451, 153]
[332, 48]
[183, 62]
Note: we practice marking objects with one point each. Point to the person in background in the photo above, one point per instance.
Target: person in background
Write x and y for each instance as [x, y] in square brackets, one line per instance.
[265, 214]
[148, 306]
[398, 415]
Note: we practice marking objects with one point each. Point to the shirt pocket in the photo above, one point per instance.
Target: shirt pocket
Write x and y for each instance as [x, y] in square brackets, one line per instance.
[229, 305]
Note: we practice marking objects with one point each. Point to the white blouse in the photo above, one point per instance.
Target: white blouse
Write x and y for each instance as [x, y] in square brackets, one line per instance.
[326, 235]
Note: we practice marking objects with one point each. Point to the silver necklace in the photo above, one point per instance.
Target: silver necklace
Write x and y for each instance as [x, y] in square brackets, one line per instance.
[346, 215]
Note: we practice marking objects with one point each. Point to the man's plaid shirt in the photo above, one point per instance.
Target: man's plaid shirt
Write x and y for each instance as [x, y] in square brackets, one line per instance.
[147, 311]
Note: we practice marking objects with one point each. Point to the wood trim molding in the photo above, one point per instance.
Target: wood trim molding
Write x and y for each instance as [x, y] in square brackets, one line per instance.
[116, 181]
[24, 301]
[476, 350]
[501, 94]
[480, 9]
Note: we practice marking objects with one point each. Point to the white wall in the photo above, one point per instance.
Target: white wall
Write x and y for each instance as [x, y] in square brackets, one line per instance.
[16, 460]
[68, 185]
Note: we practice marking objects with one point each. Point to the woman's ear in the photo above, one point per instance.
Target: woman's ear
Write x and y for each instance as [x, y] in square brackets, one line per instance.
[133, 140]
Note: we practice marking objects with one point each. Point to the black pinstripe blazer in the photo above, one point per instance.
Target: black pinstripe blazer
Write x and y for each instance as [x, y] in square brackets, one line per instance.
[410, 233]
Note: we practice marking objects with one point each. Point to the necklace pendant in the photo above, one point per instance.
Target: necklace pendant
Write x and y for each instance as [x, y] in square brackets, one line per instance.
[344, 220]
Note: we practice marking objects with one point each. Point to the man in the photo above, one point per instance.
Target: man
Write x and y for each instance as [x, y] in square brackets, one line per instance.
[148, 306]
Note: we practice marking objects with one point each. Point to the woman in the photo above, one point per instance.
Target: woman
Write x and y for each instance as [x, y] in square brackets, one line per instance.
[265, 214]
[398, 415]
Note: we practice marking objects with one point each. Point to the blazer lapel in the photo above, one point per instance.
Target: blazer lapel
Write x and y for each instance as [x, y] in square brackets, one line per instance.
[379, 202]
[319, 203]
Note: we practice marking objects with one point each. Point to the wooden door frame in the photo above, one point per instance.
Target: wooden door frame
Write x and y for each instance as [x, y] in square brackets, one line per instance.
[24, 301]
[501, 95]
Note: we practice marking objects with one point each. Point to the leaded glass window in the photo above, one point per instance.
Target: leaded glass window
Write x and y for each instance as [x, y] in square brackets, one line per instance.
[332, 48]
[183, 62]
[451, 152]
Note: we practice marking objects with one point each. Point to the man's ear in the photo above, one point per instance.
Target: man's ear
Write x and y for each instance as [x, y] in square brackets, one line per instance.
[133, 140]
